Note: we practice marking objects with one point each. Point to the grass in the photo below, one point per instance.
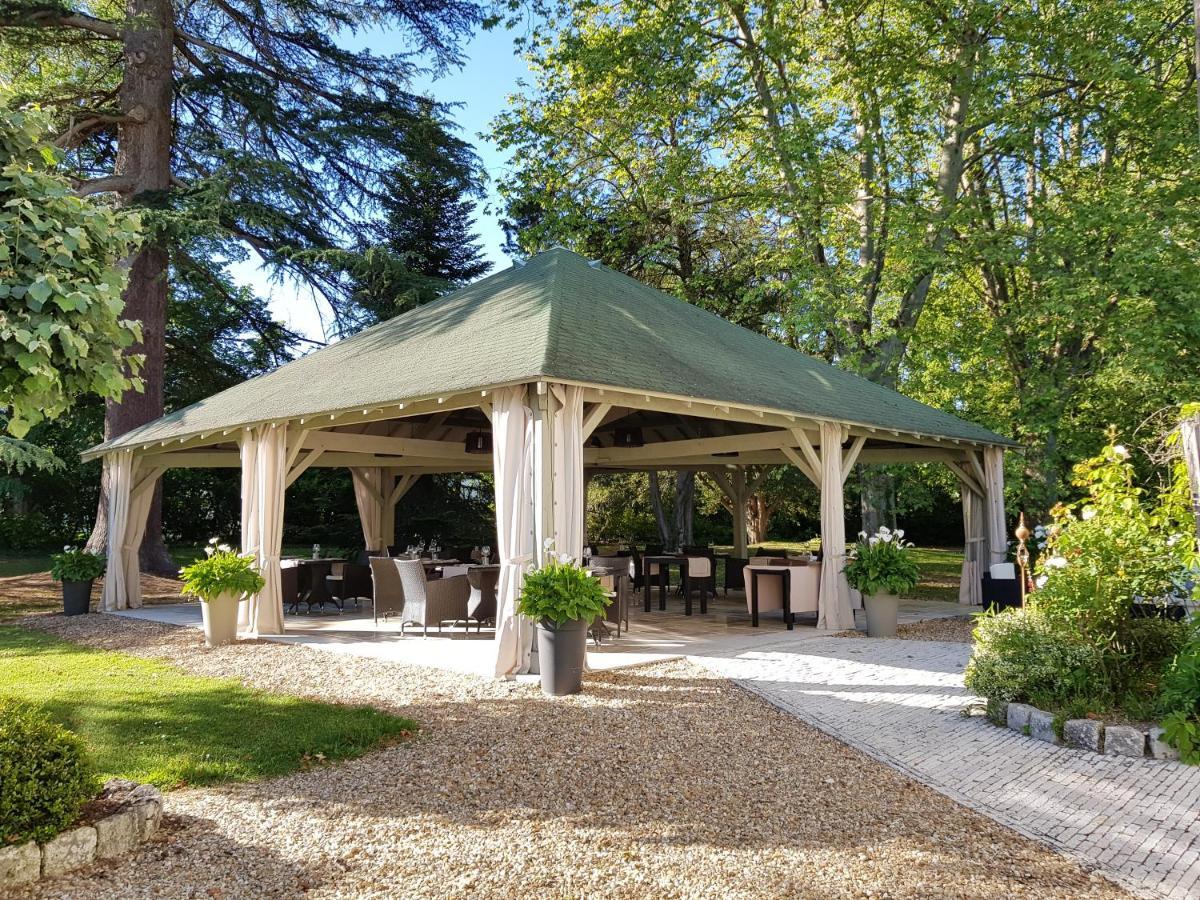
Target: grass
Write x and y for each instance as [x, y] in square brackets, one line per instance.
[151, 722]
[940, 567]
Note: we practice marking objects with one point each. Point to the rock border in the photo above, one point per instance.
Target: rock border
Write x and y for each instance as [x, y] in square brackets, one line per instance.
[116, 834]
[1088, 734]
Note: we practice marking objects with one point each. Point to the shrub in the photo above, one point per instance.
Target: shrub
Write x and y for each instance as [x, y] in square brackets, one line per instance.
[76, 565]
[221, 571]
[1023, 655]
[882, 564]
[27, 531]
[45, 775]
[561, 591]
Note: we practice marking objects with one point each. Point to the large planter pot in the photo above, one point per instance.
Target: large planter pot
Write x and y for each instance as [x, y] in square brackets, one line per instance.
[77, 597]
[220, 620]
[881, 614]
[562, 650]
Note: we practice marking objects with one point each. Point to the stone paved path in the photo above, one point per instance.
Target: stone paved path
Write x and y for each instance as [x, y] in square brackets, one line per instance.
[901, 702]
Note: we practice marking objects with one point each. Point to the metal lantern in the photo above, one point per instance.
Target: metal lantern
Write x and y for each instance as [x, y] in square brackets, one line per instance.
[1022, 533]
[628, 437]
[479, 442]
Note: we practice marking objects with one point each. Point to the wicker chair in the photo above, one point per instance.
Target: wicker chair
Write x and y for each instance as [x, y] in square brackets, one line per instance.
[386, 590]
[735, 577]
[481, 605]
[354, 583]
[294, 585]
[431, 602]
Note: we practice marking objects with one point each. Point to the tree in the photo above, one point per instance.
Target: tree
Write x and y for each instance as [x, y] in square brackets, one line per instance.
[61, 334]
[244, 122]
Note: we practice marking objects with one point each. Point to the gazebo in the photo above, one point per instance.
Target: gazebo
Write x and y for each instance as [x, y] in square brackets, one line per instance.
[566, 368]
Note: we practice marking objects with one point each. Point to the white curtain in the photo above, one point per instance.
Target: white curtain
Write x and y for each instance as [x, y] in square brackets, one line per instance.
[970, 588]
[993, 488]
[569, 508]
[371, 489]
[836, 612]
[1189, 432]
[264, 480]
[513, 467]
[131, 486]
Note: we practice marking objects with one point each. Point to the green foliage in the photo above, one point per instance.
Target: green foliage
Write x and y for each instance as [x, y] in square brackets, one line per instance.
[883, 563]
[561, 591]
[61, 333]
[1021, 655]
[151, 722]
[45, 775]
[1181, 701]
[1114, 546]
[222, 571]
[76, 564]
[26, 531]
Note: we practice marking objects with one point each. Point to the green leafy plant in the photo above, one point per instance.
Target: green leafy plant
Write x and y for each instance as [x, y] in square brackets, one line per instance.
[1023, 655]
[561, 591]
[222, 571]
[45, 775]
[75, 564]
[883, 564]
[61, 331]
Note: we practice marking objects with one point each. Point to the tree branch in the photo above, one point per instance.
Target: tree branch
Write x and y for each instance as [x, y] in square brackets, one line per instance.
[108, 184]
[56, 18]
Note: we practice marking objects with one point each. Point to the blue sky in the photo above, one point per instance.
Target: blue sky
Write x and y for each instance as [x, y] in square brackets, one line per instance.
[481, 87]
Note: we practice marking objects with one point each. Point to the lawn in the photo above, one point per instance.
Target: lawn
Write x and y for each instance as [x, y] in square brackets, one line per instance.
[151, 722]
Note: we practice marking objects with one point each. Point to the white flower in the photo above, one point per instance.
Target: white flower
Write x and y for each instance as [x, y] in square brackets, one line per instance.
[1039, 530]
[862, 536]
[1056, 562]
[883, 529]
[208, 551]
[224, 548]
[214, 540]
[66, 548]
[1120, 452]
[1040, 581]
[873, 540]
[1041, 545]
[899, 533]
[1089, 512]
[1174, 539]
[886, 538]
[547, 543]
[566, 558]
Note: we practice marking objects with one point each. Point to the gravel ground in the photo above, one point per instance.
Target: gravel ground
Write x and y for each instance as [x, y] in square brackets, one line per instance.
[956, 629]
[660, 781]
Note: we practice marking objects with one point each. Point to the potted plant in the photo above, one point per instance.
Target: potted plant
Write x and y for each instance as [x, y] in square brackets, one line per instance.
[76, 569]
[563, 599]
[881, 567]
[219, 582]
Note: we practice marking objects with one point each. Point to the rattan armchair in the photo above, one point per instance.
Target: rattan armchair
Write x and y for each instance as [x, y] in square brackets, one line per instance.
[431, 602]
[386, 591]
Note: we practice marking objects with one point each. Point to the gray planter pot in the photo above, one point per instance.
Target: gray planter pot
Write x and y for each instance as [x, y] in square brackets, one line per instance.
[562, 650]
[882, 610]
[77, 597]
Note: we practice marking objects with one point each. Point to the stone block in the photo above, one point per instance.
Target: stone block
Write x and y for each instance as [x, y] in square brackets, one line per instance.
[118, 834]
[149, 816]
[20, 864]
[1159, 748]
[1041, 726]
[1084, 734]
[1124, 740]
[69, 851]
[1018, 716]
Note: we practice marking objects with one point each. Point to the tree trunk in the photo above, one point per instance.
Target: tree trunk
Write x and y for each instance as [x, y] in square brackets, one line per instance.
[656, 504]
[878, 499]
[144, 157]
[758, 518]
[685, 508]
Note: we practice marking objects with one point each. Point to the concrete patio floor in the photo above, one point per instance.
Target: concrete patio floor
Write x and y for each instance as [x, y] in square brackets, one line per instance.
[652, 636]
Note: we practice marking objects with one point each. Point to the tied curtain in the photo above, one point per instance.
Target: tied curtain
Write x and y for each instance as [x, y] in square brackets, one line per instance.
[970, 586]
[513, 467]
[993, 488]
[569, 509]
[264, 482]
[131, 485]
[372, 490]
[835, 611]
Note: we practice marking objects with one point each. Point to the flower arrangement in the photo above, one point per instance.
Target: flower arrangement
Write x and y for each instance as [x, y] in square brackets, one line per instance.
[561, 591]
[882, 563]
[76, 564]
[222, 571]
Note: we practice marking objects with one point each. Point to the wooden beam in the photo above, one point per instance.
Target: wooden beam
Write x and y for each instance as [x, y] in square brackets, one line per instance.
[809, 451]
[851, 455]
[359, 480]
[296, 471]
[374, 443]
[594, 417]
[403, 486]
[663, 450]
[802, 464]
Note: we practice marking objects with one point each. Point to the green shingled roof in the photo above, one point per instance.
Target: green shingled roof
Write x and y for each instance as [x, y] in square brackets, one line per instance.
[557, 317]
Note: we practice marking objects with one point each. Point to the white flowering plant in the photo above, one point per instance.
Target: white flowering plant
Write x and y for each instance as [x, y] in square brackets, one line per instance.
[882, 563]
[76, 564]
[561, 590]
[222, 571]
[1119, 544]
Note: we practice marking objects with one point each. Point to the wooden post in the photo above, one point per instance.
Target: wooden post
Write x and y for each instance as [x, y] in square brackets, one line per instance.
[738, 503]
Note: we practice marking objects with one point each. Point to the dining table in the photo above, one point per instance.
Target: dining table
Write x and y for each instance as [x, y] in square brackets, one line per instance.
[319, 568]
